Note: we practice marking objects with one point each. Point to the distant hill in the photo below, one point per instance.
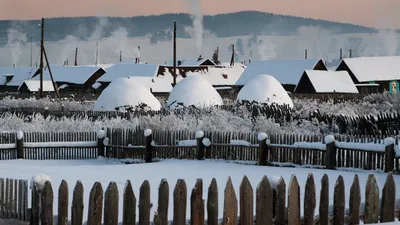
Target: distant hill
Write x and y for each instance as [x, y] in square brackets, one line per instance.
[159, 27]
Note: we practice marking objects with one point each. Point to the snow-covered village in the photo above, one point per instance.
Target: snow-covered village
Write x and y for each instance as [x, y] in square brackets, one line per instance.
[194, 116]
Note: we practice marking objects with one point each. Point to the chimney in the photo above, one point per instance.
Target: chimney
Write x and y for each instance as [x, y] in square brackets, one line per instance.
[13, 64]
[120, 56]
[341, 54]
[76, 56]
[305, 54]
[350, 53]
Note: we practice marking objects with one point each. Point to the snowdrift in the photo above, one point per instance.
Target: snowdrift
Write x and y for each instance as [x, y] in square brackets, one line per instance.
[264, 89]
[125, 92]
[196, 91]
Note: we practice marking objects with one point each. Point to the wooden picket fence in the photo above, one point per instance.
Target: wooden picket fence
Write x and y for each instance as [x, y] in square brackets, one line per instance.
[131, 143]
[38, 145]
[14, 199]
[270, 207]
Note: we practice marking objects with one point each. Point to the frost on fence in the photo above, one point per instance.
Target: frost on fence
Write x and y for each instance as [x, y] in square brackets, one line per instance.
[199, 134]
[101, 134]
[329, 139]
[39, 181]
[20, 135]
[389, 141]
[262, 136]
[147, 132]
[206, 142]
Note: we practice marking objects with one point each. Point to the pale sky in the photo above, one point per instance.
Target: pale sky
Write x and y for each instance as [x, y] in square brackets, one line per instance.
[380, 13]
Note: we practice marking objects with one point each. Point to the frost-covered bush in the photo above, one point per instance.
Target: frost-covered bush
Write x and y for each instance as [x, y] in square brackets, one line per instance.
[51, 104]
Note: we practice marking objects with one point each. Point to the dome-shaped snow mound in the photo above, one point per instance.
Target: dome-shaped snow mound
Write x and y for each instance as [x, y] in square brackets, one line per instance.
[124, 93]
[265, 89]
[196, 91]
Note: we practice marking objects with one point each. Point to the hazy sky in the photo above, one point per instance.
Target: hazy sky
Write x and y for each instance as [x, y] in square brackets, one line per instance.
[381, 13]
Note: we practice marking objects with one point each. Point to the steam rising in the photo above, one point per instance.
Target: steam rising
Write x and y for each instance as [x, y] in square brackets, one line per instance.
[197, 18]
[16, 41]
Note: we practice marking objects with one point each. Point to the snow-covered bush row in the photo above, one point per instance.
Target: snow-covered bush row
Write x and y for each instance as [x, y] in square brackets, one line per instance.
[369, 105]
[51, 104]
[214, 120]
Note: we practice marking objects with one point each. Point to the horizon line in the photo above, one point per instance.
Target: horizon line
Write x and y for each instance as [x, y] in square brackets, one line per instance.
[216, 14]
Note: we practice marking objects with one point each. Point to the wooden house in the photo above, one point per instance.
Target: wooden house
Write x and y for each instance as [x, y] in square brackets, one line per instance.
[321, 82]
[287, 72]
[73, 78]
[373, 74]
[12, 77]
[33, 86]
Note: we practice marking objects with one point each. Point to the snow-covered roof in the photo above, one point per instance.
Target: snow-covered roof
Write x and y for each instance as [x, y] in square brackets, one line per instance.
[156, 84]
[286, 71]
[331, 81]
[188, 62]
[374, 68]
[19, 74]
[129, 70]
[34, 85]
[103, 66]
[125, 92]
[69, 74]
[194, 90]
[265, 89]
[220, 76]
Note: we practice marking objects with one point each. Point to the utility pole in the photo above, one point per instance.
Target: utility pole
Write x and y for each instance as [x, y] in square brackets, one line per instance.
[341, 54]
[76, 56]
[233, 55]
[174, 52]
[350, 53]
[120, 56]
[41, 57]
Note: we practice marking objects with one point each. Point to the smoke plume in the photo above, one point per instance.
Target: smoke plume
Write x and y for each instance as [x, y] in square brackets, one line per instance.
[15, 41]
[197, 18]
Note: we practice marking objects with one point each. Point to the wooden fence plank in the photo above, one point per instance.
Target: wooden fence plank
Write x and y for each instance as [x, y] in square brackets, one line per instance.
[309, 201]
[355, 201]
[144, 204]
[111, 199]
[129, 208]
[95, 205]
[197, 204]
[388, 200]
[264, 204]
[293, 202]
[47, 204]
[63, 203]
[163, 202]
[324, 201]
[371, 201]
[246, 202]
[230, 216]
[280, 206]
[180, 200]
[212, 203]
[77, 205]
[339, 202]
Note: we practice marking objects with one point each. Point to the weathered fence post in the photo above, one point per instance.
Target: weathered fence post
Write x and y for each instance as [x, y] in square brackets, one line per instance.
[262, 140]
[388, 204]
[47, 198]
[200, 146]
[330, 156]
[371, 213]
[389, 154]
[35, 210]
[149, 147]
[20, 145]
[101, 135]
[46, 112]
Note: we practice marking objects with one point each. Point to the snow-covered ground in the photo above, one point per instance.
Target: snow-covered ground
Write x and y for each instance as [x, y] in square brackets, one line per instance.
[106, 170]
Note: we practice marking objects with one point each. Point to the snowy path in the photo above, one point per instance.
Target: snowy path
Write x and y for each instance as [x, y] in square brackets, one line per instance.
[104, 171]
